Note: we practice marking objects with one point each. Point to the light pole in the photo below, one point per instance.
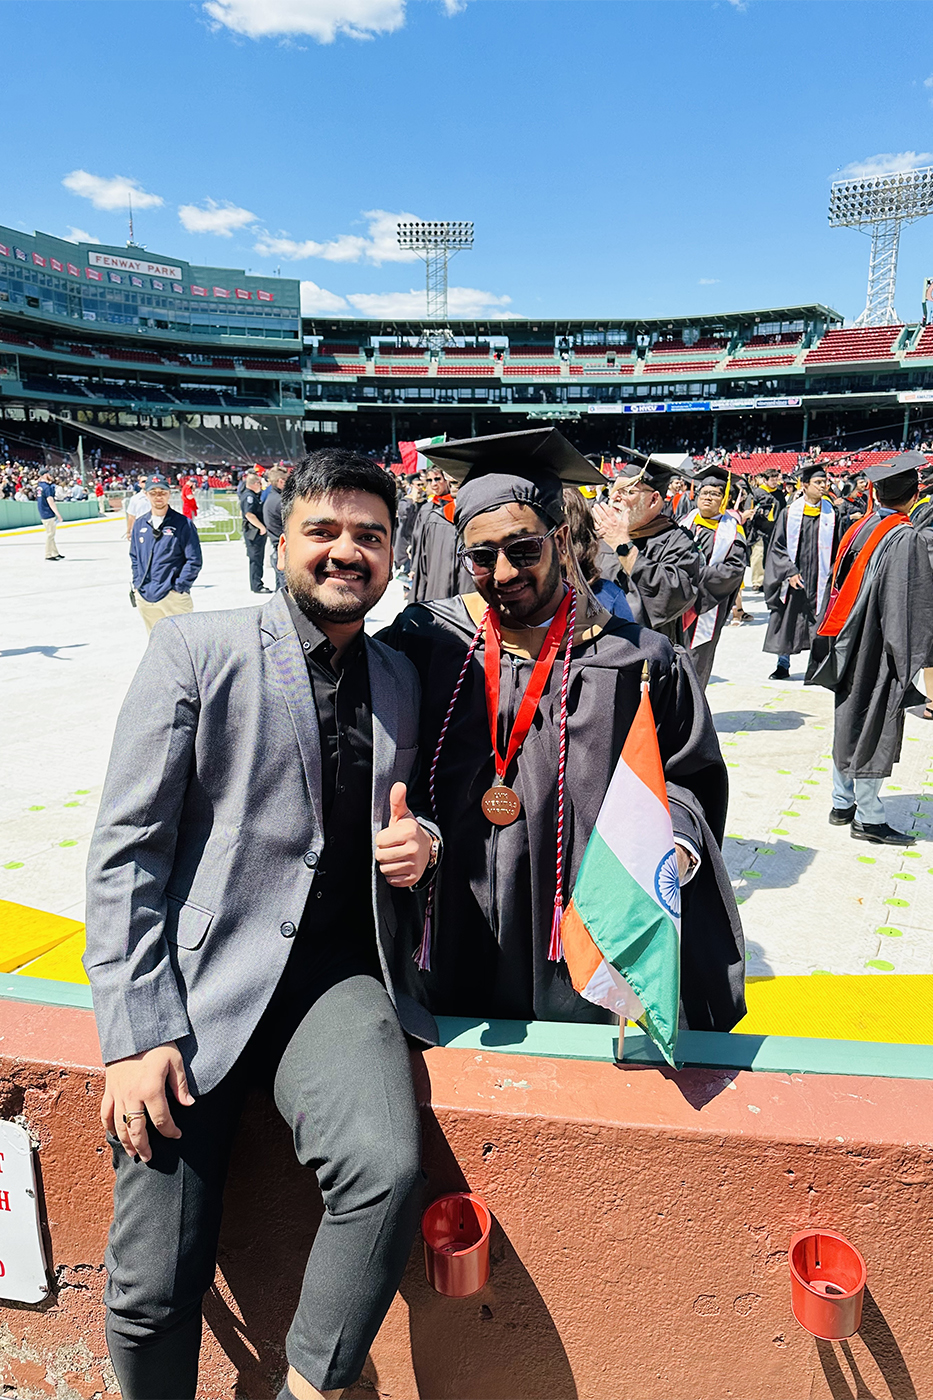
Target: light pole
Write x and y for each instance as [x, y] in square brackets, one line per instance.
[436, 242]
[879, 205]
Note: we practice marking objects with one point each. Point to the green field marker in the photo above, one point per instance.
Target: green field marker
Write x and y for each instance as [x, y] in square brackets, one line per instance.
[732, 765]
[899, 903]
[785, 772]
[13, 865]
[734, 836]
[866, 860]
[800, 848]
[902, 875]
[751, 874]
[888, 931]
[68, 843]
[801, 797]
[741, 898]
[786, 813]
[82, 792]
[765, 850]
[913, 855]
[71, 804]
[880, 965]
[819, 726]
[892, 788]
[779, 831]
[37, 809]
[811, 782]
[822, 972]
[820, 770]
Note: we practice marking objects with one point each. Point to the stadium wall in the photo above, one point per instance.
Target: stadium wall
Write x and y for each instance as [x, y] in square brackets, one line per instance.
[640, 1245]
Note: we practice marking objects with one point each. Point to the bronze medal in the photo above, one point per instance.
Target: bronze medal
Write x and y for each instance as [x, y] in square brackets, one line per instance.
[501, 805]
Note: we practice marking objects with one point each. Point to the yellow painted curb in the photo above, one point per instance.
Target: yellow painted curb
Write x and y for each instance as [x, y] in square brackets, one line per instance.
[888, 1008]
[61, 964]
[25, 934]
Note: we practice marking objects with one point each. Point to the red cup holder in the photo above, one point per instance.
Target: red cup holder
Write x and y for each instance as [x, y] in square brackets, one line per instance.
[827, 1284]
[455, 1230]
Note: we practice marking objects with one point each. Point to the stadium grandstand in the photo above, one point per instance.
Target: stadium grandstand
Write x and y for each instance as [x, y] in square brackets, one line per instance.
[156, 359]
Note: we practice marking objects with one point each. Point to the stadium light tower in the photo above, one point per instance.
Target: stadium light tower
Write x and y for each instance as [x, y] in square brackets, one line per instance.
[879, 205]
[436, 242]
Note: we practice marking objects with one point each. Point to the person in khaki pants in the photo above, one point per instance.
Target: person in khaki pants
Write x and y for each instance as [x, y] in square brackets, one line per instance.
[165, 555]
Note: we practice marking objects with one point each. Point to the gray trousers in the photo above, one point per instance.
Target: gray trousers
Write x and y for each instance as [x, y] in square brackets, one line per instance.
[342, 1081]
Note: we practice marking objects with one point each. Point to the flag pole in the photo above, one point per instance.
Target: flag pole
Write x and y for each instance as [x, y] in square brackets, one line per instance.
[620, 1048]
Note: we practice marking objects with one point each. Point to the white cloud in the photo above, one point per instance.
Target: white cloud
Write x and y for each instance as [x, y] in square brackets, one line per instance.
[316, 299]
[928, 82]
[708, 281]
[114, 193]
[80, 235]
[379, 245]
[322, 20]
[883, 165]
[221, 218]
[461, 301]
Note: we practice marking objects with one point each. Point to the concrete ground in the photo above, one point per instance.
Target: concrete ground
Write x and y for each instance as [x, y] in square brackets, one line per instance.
[812, 899]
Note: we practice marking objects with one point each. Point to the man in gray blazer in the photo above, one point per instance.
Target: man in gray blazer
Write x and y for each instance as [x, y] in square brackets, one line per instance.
[252, 863]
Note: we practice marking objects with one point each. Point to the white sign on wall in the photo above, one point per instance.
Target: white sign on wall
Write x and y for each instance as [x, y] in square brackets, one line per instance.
[117, 263]
[23, 1275]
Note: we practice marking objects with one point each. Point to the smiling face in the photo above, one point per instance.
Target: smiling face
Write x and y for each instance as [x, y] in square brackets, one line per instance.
[518, 595]
[336, 554]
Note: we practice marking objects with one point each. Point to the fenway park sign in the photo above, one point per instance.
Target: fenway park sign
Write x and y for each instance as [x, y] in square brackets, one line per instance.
[116, 263]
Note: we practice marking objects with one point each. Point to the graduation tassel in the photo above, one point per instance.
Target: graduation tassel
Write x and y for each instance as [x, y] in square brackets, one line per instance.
[422, 957]
[556, 947]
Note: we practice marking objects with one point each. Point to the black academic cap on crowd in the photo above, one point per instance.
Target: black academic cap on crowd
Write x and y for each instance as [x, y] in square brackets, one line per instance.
[811, 470]
[157, 479]
[657, 469]
[528, 468]
[903, 463]
[712, 476]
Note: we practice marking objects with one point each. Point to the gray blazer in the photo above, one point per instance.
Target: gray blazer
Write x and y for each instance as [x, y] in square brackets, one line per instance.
[210, 830]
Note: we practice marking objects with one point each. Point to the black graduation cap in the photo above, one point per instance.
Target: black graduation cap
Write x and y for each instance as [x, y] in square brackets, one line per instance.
[903, 464]
[811, 470]
[528, 468]
[713, 476]
[657, 468]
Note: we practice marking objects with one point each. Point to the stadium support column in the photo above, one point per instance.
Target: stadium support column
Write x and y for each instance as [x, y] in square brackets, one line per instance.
[906, 424]
[392, 431]
[631, 433]
[806, 424]
[81, 475]
[715, 429]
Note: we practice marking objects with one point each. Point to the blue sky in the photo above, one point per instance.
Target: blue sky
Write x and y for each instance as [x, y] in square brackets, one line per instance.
[618, 158]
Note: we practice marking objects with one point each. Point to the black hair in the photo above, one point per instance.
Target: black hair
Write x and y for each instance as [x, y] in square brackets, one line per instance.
[335, 469]
[895, 489]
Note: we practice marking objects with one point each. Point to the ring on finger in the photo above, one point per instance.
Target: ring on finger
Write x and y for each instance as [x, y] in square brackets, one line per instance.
[135, 1113]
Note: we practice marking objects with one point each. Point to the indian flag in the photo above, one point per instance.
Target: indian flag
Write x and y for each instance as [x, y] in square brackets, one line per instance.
[621, 930]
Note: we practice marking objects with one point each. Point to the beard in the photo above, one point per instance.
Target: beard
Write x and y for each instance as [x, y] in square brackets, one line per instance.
[325, 602]
[531, 602]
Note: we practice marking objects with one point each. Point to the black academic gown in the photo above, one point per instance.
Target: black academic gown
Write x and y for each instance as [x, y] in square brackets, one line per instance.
[768, 506]
[792, 623]
[407, 515]
[495, 890]
[886, 641]
[436, 571]
[665, 579]
[719, 584]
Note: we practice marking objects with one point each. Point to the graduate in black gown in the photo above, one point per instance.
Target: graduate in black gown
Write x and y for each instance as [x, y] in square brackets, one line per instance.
[721, 539]
[436, 571]
[491, 921]
[797, 569]
[874, 638]
[658, 562]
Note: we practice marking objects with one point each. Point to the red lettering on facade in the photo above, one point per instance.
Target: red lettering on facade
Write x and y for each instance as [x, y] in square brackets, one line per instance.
[4, 1200]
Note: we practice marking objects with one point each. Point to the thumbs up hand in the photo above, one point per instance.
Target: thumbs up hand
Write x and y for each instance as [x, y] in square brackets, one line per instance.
[403, 848]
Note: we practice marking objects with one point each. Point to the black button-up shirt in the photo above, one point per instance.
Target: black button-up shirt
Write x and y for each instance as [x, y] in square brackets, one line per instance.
[337, 926]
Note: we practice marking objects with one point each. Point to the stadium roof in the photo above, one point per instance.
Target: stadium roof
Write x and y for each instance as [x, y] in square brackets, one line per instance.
[512, 326]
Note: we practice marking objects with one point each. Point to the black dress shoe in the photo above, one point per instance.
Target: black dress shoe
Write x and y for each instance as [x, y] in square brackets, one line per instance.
[780, 674]
[881, 834]
[842, 816]
[262, 590]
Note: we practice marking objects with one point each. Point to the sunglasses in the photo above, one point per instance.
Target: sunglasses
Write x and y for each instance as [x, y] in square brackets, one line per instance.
[522, 553]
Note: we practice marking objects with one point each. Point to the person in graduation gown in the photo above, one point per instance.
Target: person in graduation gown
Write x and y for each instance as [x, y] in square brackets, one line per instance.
[491, 920]
[875, 635]
[658, 562]
[436, 571]
[768, 500]
[722, 544]
[797, 569]
[921, 517]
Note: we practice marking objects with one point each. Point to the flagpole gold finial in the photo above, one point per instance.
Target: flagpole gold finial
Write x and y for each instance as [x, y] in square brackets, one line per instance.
[644, 672]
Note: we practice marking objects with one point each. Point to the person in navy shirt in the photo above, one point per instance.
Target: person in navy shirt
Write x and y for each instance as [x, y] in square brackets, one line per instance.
[165, 554]
[49, 514]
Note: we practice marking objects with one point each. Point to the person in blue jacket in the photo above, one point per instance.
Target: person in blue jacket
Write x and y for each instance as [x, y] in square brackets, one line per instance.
[165, 554]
